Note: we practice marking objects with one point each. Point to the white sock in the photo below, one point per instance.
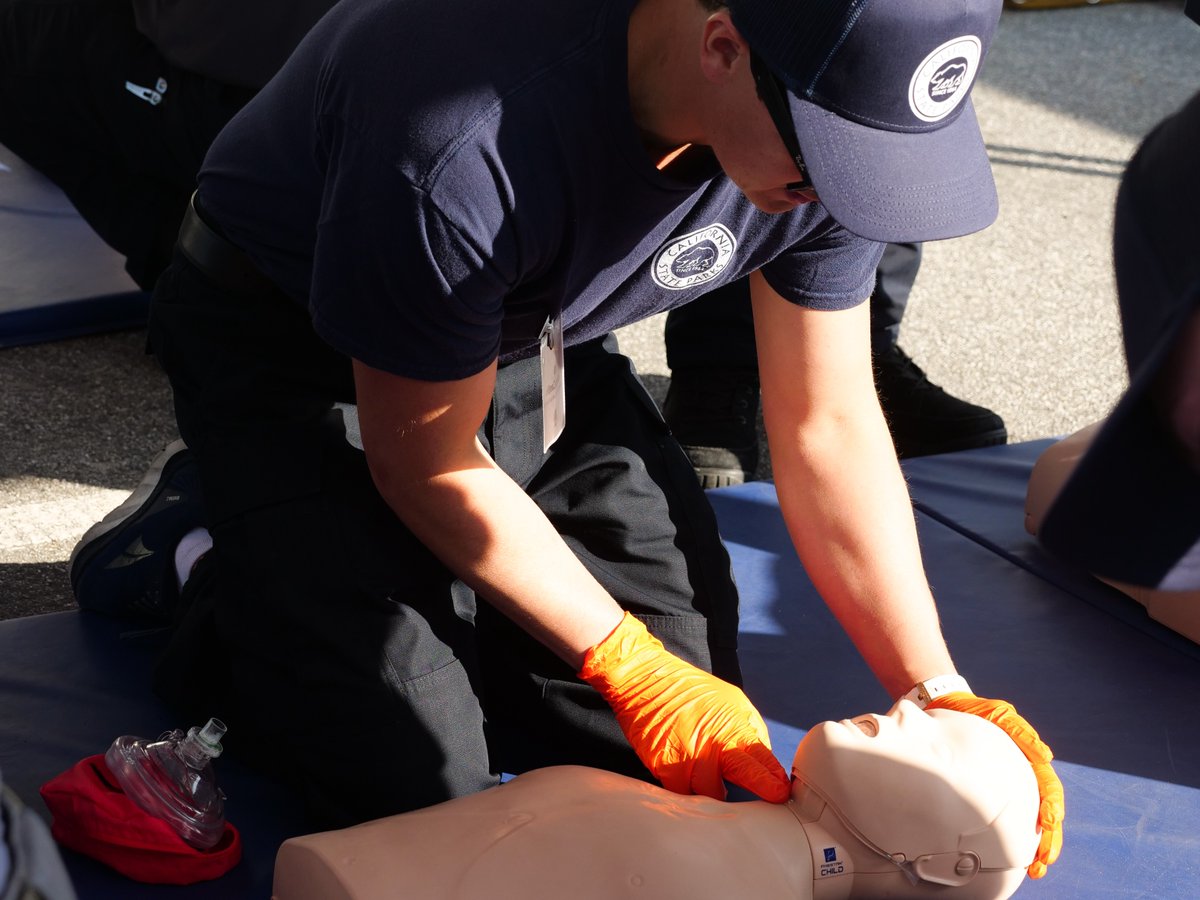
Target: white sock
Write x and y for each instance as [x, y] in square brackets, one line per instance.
[191, 547]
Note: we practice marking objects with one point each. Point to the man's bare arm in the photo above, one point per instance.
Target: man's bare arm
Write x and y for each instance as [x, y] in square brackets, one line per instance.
[840, 487]
[421, 446]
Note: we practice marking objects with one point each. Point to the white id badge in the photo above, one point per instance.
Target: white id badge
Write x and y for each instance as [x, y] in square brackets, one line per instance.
[554, 397]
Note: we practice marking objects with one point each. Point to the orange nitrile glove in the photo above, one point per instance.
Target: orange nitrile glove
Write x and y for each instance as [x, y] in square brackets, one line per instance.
[690, 728]
[1053, 808]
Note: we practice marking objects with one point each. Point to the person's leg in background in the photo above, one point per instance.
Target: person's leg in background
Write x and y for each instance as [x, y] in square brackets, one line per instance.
[923, 418]
[89, 102]
[712, 401]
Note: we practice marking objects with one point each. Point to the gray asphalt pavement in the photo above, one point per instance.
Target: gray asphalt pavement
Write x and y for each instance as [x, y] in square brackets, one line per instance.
[1021, 317]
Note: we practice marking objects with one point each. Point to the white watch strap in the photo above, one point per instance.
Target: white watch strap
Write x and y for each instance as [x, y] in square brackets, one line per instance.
[932, 688]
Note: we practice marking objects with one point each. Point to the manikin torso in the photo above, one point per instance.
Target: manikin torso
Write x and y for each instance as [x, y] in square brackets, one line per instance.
[565, 831]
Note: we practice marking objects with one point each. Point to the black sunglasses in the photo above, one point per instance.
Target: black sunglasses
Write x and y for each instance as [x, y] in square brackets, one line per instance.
[773, 94]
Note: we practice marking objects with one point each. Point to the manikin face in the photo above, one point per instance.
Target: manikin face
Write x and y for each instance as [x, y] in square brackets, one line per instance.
[915, 783]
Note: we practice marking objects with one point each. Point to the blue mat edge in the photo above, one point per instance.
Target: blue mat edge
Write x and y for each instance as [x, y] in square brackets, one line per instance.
[74, 318]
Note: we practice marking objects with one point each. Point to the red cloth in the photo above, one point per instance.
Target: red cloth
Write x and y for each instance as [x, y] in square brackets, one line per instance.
[93, 816]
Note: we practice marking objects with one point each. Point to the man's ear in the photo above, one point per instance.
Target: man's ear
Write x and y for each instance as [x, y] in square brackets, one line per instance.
[722, 49]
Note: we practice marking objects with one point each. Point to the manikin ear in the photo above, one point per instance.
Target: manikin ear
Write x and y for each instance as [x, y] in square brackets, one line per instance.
[953, 869]
[723, 50]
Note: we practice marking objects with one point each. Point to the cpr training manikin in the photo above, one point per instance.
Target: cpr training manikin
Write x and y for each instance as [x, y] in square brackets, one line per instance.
[909, 804]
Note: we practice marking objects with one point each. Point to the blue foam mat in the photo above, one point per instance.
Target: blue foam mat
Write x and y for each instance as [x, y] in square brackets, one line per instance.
[73, 318]
[981, 495]
[1115, 700]
[57, 278]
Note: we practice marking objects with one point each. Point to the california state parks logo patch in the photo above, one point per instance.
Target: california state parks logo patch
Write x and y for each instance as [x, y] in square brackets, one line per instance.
[695, 258]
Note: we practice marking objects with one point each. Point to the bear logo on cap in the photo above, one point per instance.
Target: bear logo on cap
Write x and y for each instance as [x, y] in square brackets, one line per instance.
[943, 79]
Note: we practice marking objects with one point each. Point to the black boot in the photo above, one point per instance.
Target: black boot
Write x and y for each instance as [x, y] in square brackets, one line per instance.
[714, 415]
[923, 418]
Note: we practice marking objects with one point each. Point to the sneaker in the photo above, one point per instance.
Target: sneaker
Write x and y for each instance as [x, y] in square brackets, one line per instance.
[124, 565]
[923, 418]
[714, 415]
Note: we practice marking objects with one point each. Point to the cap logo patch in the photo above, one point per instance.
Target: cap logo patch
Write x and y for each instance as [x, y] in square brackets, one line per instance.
[943, 79]
[694, 258]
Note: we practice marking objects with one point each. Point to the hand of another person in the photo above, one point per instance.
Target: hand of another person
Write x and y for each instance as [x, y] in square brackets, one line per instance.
[690, 728]
[1052, 809]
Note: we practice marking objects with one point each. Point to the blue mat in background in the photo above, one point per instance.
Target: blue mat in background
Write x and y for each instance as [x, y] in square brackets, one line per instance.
[1115, 696]
[57, 278]
[968, 491]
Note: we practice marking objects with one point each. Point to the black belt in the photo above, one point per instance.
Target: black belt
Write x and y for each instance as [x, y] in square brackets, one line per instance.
[217, 257]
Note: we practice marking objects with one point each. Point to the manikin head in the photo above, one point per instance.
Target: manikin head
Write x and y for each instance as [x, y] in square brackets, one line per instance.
[924, 799]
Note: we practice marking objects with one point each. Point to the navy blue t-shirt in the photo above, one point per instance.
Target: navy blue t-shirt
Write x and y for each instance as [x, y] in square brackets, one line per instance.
[434, 179]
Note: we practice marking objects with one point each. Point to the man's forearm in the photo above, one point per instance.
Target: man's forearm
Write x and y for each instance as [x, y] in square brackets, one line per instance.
[840, 488]
[849, 514]
[495, 538]
[428, 465]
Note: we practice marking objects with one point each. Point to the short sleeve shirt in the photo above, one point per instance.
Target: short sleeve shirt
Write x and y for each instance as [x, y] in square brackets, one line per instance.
[435, 179]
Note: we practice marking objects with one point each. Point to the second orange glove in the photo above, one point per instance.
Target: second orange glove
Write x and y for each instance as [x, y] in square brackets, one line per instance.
[1053, 803]
[690, 728]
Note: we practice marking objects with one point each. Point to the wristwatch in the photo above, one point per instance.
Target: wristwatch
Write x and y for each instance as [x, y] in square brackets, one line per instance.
[930, 689]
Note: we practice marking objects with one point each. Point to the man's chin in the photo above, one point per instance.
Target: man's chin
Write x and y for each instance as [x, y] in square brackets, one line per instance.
[778, 201]
[771, 206]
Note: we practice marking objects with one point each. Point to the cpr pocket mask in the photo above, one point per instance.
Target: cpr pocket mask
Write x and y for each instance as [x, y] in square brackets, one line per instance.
[94, 816]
